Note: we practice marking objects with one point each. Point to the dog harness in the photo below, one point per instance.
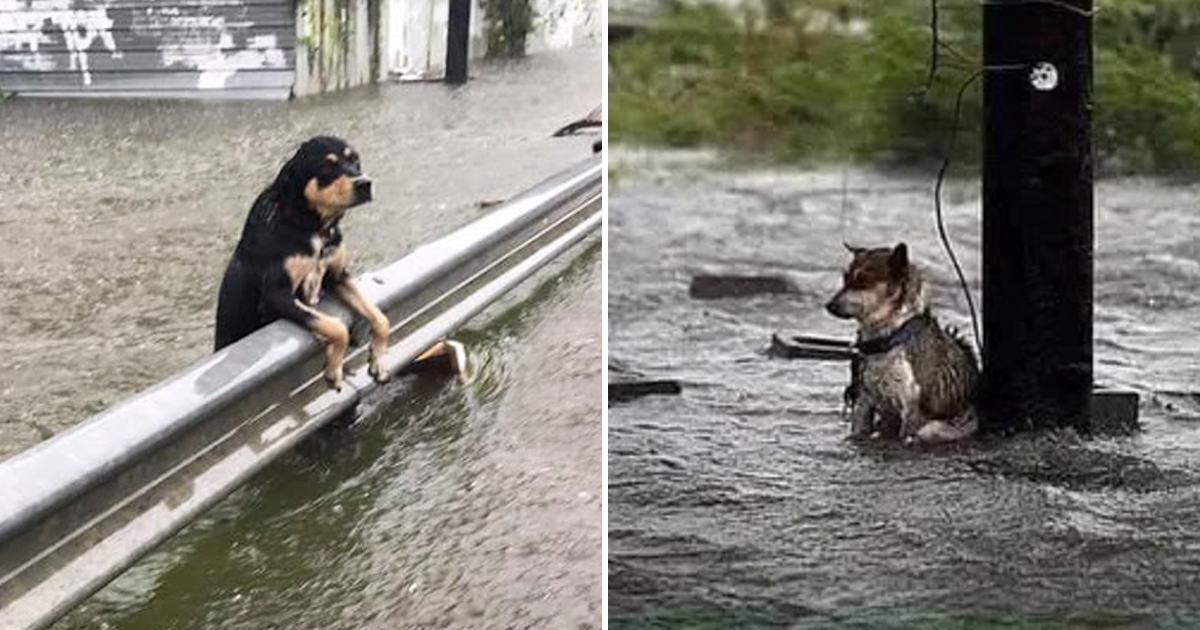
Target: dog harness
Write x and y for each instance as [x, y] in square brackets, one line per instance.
[902, 335]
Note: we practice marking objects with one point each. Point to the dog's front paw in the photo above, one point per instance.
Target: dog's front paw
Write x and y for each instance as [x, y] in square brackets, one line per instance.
[333, 376]
[377, 372]
[380, 331]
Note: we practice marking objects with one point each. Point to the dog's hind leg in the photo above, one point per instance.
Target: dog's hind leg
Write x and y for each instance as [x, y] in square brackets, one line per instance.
[237, 300]
[862, 419]
[336, 337]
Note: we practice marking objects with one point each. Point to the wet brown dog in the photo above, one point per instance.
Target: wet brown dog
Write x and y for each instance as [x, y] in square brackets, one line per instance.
[291, 248]
[913, 379]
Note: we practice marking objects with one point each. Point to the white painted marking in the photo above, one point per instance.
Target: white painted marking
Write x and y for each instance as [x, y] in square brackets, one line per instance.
[205, 42]
[21, 27]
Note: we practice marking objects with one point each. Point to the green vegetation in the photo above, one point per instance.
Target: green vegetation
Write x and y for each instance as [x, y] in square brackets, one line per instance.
[508, 24]
[842, 79]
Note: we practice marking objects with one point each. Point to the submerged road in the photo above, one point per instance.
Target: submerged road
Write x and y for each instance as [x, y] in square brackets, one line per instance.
[446, 505]
[120, 216]
[739, 503]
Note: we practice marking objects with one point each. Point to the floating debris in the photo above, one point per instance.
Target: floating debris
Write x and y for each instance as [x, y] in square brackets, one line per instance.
[715, 287]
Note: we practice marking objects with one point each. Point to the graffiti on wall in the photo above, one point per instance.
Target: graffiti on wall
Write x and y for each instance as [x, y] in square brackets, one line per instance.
[111, 44]
[22, 28]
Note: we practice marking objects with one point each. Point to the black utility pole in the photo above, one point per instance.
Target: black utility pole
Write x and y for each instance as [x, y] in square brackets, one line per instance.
[1037, 213]
[458, 35]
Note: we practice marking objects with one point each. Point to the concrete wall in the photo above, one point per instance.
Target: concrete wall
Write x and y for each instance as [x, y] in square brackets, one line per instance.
[340, 44]
[417, 40]
[565, 23]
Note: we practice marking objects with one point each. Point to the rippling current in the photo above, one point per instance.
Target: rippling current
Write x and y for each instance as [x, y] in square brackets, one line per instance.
[451, 504]
[119, 216]
[740, 502]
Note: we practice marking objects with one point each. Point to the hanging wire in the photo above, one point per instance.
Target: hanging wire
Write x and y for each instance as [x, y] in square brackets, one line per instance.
[947, 158]
[936, 45]
[842, 219]
[937, 205]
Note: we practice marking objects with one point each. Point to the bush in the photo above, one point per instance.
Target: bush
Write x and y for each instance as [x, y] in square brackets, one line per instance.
[1148, 86]
[508, 25]
[803, 84]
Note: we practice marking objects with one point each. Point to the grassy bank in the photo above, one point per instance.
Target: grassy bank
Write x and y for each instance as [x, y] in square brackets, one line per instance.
[829, 79]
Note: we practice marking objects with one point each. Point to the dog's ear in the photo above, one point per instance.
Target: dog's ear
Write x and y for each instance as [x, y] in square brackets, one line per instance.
[289, 183]
[898, 261]
[852, 249]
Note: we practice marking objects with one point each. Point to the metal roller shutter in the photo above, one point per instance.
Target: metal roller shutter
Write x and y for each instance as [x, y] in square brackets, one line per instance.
[152, 48]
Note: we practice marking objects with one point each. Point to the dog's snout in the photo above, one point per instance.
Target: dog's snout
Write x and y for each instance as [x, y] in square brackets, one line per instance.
[362, 189]
[838, 307]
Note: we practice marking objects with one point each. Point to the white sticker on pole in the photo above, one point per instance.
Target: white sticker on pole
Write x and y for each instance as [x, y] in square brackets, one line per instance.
[1044, 77]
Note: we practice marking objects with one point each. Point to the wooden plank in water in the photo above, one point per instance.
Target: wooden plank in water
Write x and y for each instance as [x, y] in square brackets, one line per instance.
[718, 286]
[807, 347]
[630, 390]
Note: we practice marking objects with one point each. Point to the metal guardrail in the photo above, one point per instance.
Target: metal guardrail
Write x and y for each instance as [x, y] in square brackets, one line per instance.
[80, 508]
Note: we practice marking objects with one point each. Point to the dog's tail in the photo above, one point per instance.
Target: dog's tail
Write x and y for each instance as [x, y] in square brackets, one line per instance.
[970, 370]
[942, 432]
[964, 345]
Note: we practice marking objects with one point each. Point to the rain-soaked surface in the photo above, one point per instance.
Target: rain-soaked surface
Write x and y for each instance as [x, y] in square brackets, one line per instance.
[451, 505]
[740, 502]
[118, 217]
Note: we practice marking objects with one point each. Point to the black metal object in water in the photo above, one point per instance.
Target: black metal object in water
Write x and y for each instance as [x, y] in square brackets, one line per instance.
[458, 34]
[626, 391]
[718, 286]
[1037, 214]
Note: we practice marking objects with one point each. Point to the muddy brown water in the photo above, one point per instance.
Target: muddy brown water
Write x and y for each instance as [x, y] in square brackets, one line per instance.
[118, 217]
[447, 504]
[740, 504]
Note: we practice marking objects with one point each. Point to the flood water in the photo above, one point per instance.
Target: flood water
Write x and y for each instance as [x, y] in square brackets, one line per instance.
[445, 505]
[740, 503]
[119, 217]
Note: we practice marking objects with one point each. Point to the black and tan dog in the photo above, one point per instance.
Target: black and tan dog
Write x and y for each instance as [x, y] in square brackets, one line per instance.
[291, 248]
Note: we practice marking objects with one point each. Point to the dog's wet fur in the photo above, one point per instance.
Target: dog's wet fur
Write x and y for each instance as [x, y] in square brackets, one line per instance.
[922, 389]
[291, 249]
